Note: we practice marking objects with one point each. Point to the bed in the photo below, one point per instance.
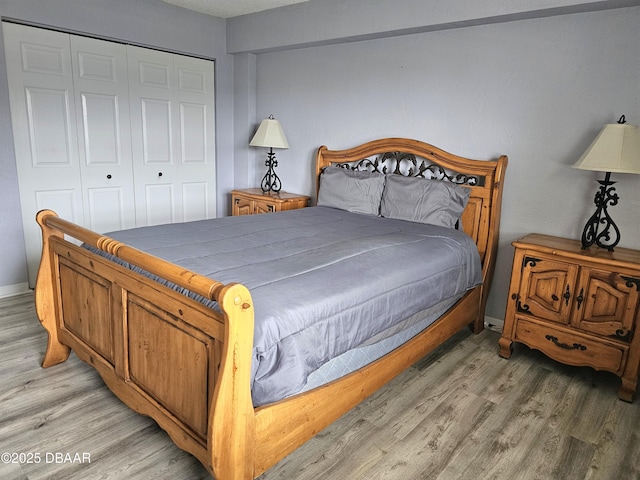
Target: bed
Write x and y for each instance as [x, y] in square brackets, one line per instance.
[177, 345]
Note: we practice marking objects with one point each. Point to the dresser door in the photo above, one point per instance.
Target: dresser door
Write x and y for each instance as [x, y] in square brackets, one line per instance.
[606, 303]
[546, 289]
[242, 206]
[263, 206]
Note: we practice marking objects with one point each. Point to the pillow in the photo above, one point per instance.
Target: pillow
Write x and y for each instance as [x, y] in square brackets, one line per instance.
[423, 200]
[358, 192]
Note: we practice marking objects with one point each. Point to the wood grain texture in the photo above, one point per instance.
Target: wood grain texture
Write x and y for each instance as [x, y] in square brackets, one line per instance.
[579, 306]
[251, 201]
[460, 413]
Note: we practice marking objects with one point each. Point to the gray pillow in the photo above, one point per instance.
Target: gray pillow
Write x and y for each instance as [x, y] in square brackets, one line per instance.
[358, 192]
[423, 200]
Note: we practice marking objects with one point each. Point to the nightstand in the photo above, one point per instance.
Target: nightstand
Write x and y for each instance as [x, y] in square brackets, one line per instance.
[579, 307]
[253, 201]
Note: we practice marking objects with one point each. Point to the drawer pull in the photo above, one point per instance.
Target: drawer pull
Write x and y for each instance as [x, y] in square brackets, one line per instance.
[575, 346]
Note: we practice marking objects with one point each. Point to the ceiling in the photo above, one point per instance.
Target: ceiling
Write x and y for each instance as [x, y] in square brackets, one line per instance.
[231, 8]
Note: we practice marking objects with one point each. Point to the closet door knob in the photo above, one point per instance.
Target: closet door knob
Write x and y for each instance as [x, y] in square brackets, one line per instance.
[159, 174]
[109, 176]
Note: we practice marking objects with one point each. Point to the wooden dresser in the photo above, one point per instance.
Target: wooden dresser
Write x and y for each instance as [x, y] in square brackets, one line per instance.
[253, 201]
[579, 307]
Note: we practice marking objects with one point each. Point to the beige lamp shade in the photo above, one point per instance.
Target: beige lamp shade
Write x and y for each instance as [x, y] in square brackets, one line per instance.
[269, 134]
[615, 149]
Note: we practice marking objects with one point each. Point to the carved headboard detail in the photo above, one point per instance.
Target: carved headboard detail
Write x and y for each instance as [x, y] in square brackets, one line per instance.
[409, 165]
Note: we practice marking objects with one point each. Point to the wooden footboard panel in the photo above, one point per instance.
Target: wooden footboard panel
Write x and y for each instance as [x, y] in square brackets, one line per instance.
[159, 353]
[162, 353]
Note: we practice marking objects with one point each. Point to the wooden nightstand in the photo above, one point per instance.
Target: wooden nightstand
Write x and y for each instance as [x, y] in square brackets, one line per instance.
[252, 201]
[579, 307]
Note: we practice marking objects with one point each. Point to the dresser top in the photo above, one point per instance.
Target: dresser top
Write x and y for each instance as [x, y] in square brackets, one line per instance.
[572, 247]
[257, 192]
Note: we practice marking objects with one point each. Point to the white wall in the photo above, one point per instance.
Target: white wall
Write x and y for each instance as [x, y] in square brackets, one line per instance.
[152, 23]
[537, 90]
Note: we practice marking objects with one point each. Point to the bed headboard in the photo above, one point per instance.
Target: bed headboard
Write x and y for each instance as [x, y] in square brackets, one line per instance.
[401, 156]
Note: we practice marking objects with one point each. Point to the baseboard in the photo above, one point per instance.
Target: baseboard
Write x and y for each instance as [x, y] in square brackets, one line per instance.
[11, 290]
[494, 323]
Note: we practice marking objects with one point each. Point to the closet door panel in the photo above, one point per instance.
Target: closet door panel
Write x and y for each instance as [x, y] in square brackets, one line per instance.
[159, 203]
[100, 127]
[193, 133]
[41, 96]
[101, 88]
[173, 135]
[194, 93]
[109, 136]
[157, 146]
[151, 83]
[196, 198]
[65, 202]
[50, 138]
[106, 209]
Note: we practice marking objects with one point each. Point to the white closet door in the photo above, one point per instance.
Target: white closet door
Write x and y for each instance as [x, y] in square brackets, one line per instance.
[172, 123]
[44, 127]
[104, 133]
[107, 135]
[196, 130]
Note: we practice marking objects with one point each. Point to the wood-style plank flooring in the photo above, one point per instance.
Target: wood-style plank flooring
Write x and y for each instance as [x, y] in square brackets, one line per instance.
[460, 413]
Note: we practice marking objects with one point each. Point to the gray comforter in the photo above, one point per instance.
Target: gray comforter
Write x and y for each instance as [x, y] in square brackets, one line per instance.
[323, 281]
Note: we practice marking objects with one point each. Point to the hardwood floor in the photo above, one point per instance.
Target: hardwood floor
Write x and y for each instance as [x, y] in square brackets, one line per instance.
[460, 413]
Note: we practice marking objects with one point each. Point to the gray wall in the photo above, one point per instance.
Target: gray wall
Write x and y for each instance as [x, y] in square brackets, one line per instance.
[533, 79]
[150, 23]
[320, 22]
[536, 89]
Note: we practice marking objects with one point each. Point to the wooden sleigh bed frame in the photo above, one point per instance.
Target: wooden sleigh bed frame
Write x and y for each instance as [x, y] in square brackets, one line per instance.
[188, 366]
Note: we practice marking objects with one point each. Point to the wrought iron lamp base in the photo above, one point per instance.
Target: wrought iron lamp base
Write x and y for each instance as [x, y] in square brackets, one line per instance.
[271, 181]
[605, 196]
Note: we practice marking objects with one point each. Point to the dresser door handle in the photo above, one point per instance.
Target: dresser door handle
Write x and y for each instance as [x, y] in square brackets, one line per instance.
[580, 298]
[575, 346]
[567, 296]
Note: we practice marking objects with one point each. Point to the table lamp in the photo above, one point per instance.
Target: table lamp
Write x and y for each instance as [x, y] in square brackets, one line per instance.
[270, 134]
[615, 149]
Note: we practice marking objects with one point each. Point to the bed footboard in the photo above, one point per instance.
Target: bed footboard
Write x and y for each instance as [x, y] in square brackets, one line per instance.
[163, 354]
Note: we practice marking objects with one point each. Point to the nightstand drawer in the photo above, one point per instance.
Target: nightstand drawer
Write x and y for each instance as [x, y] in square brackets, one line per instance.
[571, 347]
